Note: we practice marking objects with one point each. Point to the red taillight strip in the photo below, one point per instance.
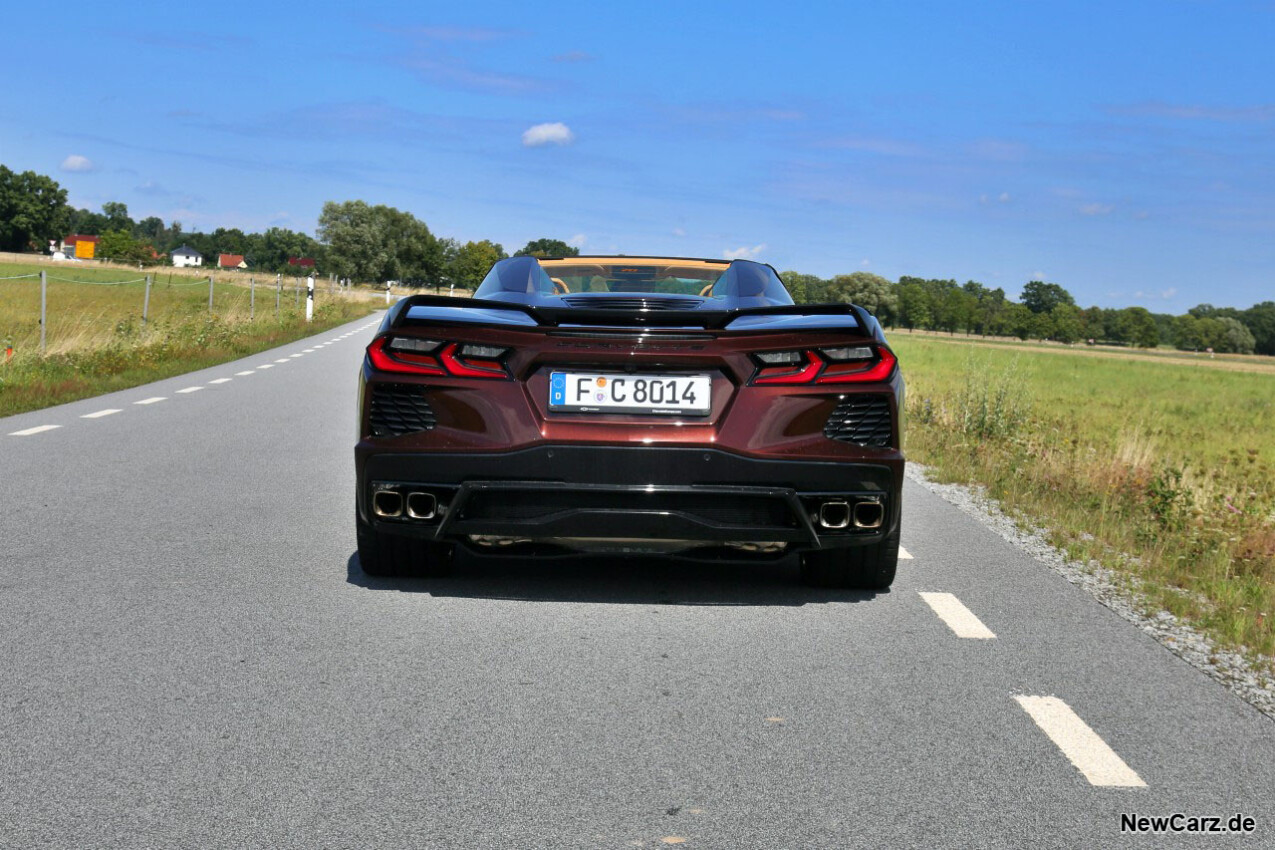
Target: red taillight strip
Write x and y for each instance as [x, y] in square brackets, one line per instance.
[817, 371]
[382, 360]
[805, 376]
[879, 371]
[450, 364]
[456, 366]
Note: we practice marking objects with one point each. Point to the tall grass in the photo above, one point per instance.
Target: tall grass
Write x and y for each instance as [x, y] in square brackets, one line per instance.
[97, 342]
[1160, 470]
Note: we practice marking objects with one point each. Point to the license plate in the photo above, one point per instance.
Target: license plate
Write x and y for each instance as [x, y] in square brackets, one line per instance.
[590, 392]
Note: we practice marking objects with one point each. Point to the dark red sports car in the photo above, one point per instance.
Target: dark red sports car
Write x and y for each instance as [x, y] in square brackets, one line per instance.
[631, 405]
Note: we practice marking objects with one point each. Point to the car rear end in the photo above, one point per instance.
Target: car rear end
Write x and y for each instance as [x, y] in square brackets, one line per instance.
[631, 423]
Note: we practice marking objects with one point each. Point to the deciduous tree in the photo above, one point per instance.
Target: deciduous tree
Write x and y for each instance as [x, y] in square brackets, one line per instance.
[32, 210]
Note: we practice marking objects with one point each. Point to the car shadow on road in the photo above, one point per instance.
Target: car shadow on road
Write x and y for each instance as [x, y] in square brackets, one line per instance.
[622, 580]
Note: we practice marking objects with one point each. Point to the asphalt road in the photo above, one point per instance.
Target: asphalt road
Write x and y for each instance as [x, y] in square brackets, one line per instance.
[192, 657]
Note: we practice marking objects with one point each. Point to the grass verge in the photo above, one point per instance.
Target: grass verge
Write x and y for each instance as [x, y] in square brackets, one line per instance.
[1160, 471]
[96, 341]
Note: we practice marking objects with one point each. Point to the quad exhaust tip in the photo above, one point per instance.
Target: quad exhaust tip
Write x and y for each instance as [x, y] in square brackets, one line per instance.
[868, 514]
[387, 503]
[422, 505]
[834, 515]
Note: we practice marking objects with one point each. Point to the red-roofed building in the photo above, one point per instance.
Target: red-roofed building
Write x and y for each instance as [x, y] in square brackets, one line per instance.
[303, 262]
[231, 261]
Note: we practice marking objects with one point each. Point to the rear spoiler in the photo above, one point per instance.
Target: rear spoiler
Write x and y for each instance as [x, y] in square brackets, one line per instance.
[443, 309]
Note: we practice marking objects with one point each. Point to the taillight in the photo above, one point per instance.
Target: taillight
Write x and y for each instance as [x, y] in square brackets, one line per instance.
[847, 364]
[412, 356]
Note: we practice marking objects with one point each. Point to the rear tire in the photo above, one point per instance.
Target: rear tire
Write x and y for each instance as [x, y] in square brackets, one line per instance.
[869, 567]
[392, 555]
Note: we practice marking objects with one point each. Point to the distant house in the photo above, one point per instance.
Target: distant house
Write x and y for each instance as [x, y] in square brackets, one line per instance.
[187, 256]
[80, 246]
[303, 262]
[231, 261]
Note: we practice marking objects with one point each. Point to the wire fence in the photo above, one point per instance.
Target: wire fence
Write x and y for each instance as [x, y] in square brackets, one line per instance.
[10, 312]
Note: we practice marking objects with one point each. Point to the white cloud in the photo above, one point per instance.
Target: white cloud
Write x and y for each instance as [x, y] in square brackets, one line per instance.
[745, 253]
[1039, 276]
[75, 162]
[1169, 293]
[555, 133]
[866, 263]
[1003, 197]
[577, 241]
[1096, 209]
[677, 231]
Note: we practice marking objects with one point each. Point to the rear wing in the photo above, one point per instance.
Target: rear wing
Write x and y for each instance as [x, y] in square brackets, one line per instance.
[443, 309]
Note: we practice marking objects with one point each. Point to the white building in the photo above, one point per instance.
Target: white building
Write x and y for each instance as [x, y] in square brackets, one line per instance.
[187, 256]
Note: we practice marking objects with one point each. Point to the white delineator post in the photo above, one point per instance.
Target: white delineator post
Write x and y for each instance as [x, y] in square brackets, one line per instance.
[44, 303]
[387, 292]
[309, 298]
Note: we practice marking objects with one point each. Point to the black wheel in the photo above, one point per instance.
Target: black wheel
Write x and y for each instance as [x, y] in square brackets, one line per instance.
[391, 555]
[863, 567]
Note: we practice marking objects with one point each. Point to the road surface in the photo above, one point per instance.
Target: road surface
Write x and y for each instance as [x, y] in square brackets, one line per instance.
[193, 658]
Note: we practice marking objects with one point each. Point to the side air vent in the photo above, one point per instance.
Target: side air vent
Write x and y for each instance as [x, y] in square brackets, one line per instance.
[594, 302]
[861, 419]
[399, 409]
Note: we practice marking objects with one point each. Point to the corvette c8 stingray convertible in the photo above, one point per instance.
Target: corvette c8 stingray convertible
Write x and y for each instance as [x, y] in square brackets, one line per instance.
[631, 405]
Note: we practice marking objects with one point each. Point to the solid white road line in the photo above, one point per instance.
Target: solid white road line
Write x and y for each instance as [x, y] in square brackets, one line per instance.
[245, 372]
[959, 619]
[190, 390]
[151, 400]
[39, 429]
[904, 554]
[1080, 744]
[220, 380]
[101, 413]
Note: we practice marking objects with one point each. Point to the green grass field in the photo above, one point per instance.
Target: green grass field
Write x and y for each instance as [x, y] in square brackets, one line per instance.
[96, 341]
[1162, 470]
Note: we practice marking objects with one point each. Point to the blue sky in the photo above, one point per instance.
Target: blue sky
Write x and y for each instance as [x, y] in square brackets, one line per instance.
[1125, 151]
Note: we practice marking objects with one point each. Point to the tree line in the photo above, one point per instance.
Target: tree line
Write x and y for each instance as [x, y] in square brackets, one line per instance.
[367, 242]
[1044, 311]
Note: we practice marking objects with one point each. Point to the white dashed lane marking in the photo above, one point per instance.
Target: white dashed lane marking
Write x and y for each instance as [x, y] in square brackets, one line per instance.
[297, 355]
[101, 413]
[266, 366]
[904, 554]
[27, 432]
[282, 360]
[1080, 744]
[220, 381]
[959, 619]
[244, 372]
[190, 390]
[151, 400]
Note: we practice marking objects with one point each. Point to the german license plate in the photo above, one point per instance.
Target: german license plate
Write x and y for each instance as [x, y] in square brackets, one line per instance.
[590, 392]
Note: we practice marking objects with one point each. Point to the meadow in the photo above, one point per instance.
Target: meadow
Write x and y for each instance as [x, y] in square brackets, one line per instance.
[96, 341]
[1160, 469]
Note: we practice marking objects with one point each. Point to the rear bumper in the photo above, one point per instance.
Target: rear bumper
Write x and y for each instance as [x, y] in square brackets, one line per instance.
[571, 492]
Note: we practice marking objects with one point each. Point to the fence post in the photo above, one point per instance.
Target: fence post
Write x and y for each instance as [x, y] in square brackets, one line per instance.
[146, 301]
[296, 294]
[210, 291]
[252, 298]
[44, 289]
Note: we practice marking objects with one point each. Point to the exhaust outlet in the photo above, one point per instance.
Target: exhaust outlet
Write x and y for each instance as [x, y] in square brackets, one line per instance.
[868, 514]
[422, 505]
[387, 503]
[834, 515]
